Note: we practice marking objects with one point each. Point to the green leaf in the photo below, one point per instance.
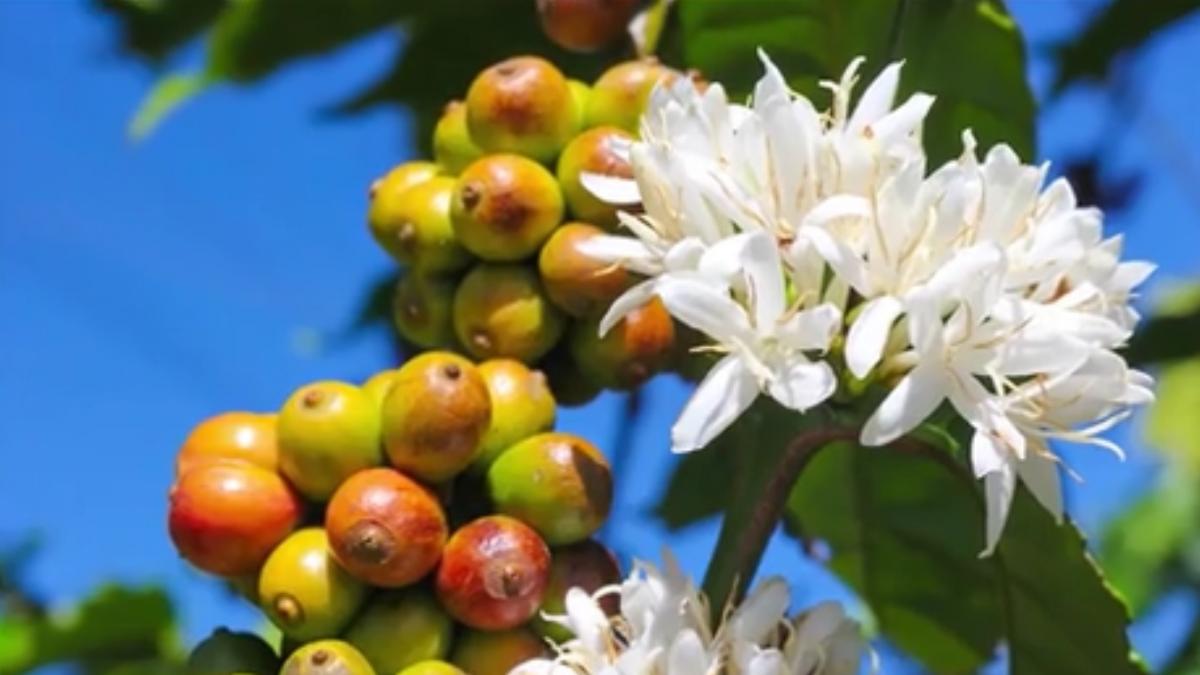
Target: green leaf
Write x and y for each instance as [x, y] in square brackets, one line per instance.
[253, 38]
[905, 531]
[116, 625]
[968, 53]
[154, 29]
[1143, 549]
[167, 95]
[1122, 26]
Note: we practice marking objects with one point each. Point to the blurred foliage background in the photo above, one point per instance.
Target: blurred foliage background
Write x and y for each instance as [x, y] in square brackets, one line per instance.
[970, 53]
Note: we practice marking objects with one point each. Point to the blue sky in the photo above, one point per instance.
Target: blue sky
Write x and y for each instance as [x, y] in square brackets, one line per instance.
[216, 265]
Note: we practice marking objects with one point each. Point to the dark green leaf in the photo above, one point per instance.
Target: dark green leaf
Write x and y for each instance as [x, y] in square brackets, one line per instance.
[253, 38]
[905, 531]
[153, 29]
[1166, 338]
[967, 53]
[1120, 27]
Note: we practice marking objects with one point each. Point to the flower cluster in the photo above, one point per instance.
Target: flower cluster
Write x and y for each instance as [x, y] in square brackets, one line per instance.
[663, 629]
[771, 227]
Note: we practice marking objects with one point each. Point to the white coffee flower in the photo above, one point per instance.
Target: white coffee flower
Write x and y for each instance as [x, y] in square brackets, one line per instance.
[765, 343]
[976, 284]
[663, 629]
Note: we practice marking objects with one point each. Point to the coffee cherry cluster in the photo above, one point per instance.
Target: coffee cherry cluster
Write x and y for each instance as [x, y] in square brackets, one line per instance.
[422, 519]
[489, 233]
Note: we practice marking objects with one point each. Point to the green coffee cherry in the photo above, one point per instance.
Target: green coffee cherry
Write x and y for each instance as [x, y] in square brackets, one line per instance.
[327, 431]
[502, 311]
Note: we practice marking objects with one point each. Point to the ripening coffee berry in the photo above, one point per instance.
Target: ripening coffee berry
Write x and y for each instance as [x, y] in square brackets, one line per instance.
[401, 628]
[521, 105]
[327, 657]
[226, 652]
[453, 148]
[431, 668]
[558, 483]
[385, 528]
[496, 652]
[585, 25]
[385, 198]
[587, 565]
[415, 228]
[522, 406]
[504, 207]
[226, 517]
[493, 573]
[578, 284]
[232, 436]
[637, 347]
[435, 416]
[422, 310]
[378, 385]
[304, 591]
[620, 96]
[595, 151]
[502, 311]
[580, 93]
[327, 431]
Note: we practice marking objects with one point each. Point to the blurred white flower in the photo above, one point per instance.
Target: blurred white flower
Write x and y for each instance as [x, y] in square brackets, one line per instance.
[663, 629]
[977, 284]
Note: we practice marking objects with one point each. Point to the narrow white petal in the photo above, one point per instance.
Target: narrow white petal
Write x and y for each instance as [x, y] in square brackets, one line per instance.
[725, 393]
[869, 333]
[613, 249]
[611, 189]
[877, 100]
[1040, 474]
[902, 121]
[637, 296]
[986, 455]
[764, 276]
[998, 490]
[846, 263]
[706, 309]
[906, 406]
[761, 612]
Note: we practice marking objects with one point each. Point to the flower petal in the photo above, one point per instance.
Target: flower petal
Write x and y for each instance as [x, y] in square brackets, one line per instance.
[869, 333]
[1039, 472]
[877, 99]
[800, 385]
[914, 399]
[611, 189]
[902, 121]
[998, 488]
[707, 309]
[811, 329]
[725, 393]
[764, 276]
[687, 655]
[637, 296]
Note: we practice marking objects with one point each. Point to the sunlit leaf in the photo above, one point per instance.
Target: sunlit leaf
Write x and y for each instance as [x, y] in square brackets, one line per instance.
[967, 53]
